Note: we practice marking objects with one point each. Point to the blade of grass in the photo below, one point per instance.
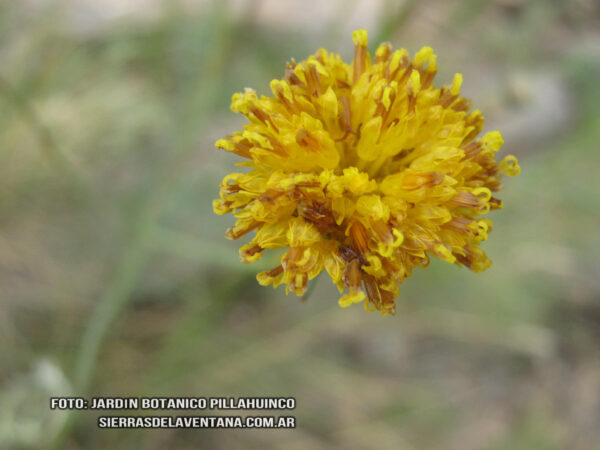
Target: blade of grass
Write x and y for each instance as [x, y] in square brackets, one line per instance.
[137, 253]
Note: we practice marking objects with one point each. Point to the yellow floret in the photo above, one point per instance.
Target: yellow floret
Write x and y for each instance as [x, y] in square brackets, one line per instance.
[365, 170]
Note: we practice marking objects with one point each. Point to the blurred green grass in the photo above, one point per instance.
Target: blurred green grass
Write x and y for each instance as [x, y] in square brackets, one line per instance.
[116, 271]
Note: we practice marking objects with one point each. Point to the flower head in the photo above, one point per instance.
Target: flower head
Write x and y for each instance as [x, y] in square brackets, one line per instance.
[364, 170]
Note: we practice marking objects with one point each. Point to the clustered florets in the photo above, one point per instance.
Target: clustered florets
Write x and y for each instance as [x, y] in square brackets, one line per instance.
[363, 170]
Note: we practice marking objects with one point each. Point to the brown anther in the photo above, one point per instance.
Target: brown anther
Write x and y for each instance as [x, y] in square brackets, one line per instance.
[405, 62]
[253, 250]
[276, 146]
[411, 245]
[290, 106]
[275, 272]
[492, 170]
[422, 179]
[465, 200]
[230, 188]
[402, 154]
[427, 78]
[495, 203]
[387, 297]
[494, 185]
[312, 79]
[372, 289]
[486, 163]
[446, 98]
[347, 113]
[318, 214]
[321, 55]
[393, 123]
[476, 122]
[242, 149]
[466, 259]
[461, 104]
[353, 275]
[305, 139]
[405, 74]
[360, 58]
[412, 102]
[345, 118]
[387, 301]
[290, 75]
[264, 118]
[260, 115]
[270, 195]
[232, 233]
[293, 255]
[383, 230]
[359, 236]
[472, 149]
[459, 224]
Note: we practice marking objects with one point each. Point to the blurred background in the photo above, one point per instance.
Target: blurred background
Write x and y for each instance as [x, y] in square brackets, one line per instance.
[115, 277]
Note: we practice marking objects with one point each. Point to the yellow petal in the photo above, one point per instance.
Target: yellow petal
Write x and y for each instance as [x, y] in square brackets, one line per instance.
[351, 298]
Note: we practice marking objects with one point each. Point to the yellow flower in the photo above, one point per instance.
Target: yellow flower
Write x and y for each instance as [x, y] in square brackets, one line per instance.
[364, 170]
